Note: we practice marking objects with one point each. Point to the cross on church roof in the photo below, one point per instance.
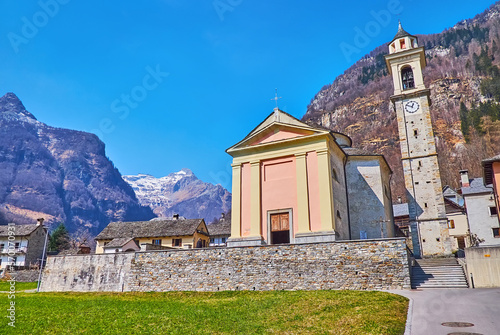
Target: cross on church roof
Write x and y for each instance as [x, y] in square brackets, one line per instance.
[276, 98]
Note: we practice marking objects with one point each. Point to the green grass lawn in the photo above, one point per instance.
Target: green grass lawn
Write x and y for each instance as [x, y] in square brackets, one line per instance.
[277, 312]
[5, 286]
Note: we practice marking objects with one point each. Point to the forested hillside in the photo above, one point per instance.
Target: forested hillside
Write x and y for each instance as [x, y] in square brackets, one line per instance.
[463, 75]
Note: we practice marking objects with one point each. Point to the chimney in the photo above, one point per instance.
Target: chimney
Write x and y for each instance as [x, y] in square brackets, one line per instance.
[176, 216]
[40, 221]
[464, 177]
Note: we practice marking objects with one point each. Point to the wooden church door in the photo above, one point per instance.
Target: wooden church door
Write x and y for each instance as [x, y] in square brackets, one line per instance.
[280, 228]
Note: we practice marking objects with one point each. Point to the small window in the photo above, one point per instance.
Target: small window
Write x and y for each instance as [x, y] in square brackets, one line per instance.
[438, 239]
[212, 240]
[493, 211]
[420, 163]
[338, 215]
[415, 132]
[496, 232]
[17, 245]
[157, 242]
[425, 205]
[224, 240]
[423, 240]
[451, 224]
[177, 242]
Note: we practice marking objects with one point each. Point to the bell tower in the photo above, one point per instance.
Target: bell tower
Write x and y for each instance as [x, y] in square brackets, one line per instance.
[411, 101]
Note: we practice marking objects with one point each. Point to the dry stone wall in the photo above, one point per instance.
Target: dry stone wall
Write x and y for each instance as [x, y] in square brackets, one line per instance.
[356, 265]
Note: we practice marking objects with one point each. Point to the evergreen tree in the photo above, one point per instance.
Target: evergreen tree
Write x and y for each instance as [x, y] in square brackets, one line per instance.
[59, 239]
[464, 118]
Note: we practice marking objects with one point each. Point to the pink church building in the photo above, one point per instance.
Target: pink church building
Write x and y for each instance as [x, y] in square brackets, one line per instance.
[294, 183]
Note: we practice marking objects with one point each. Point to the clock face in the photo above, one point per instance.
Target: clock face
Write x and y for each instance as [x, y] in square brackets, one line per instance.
[412, 106]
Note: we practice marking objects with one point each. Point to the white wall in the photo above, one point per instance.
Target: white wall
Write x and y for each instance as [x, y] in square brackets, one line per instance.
[480, 220]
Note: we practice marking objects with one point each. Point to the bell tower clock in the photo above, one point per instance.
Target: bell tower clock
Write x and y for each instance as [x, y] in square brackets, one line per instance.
[411, 101]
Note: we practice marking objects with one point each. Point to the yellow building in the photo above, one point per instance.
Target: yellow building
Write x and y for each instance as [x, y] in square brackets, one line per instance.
[151, 235]
[295, 183]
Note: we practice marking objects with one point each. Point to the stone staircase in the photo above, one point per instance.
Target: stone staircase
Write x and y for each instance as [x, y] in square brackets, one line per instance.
[437, 273]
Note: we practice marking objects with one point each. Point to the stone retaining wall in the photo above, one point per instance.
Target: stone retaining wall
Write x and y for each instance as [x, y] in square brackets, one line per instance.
[86, 273]
[356, 265]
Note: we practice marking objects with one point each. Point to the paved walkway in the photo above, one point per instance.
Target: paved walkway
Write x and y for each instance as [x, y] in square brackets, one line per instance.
[432, 307]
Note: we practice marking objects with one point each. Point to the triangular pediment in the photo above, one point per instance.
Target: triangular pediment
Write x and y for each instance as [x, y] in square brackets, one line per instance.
[277, 127]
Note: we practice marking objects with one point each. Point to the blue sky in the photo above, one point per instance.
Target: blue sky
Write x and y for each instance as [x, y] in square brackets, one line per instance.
[171, 84]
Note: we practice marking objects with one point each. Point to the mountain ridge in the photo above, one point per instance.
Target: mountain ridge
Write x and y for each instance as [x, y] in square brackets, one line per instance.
[180, 193]
[60, 174]
[357, 102]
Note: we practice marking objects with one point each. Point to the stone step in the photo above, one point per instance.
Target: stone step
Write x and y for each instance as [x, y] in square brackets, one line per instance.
[440, 286]
[438, 273]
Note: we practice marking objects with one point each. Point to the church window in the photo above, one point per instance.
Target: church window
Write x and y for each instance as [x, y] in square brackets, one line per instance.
[407, 77]
[402, 44]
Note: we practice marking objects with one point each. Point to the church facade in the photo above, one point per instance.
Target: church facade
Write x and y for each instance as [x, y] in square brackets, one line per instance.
[411, 101]
[294, 183]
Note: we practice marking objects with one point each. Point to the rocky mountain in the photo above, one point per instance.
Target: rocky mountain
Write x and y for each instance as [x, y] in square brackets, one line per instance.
[59, 174]
[463, 75]
[181, 193]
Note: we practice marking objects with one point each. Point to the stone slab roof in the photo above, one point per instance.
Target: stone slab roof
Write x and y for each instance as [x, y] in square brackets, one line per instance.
[400, 210]
[118, 242]
[222, 228]
[476, 187]
[359, 152]
[19, 230]
[156, 228]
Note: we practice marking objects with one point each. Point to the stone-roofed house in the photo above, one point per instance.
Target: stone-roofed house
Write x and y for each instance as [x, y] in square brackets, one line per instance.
[219, 232]
[154, 234]
[481, 210]
[25, 246]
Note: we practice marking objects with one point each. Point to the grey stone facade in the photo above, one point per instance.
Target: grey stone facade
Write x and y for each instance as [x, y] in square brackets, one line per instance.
[357, 265]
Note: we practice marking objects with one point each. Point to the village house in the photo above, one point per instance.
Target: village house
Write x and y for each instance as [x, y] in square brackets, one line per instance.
[21, 246]
[156, 234]
[491, 172]
[481, 211]
[296, 183]
[219, 232]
